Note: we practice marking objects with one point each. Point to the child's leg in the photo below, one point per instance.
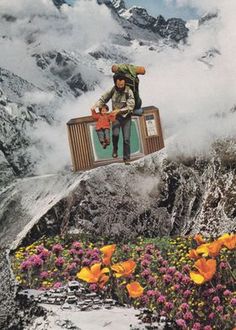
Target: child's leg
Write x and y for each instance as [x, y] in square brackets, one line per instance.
[100, 136]
[107, 136]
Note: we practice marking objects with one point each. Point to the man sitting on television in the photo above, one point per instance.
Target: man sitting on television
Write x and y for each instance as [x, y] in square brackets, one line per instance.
[123, 103]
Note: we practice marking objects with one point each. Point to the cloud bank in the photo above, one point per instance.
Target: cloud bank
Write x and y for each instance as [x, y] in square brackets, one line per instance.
[193, 86]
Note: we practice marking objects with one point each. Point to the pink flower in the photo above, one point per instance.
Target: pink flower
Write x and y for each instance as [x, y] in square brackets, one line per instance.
[39, 249]
[144, 299]
[167, 278]
[186, 279]
[216, 300]
[44, 254]
[76, 245]
[211, 290]
[223, 265]
[188, 316]
[178, 275]
[25, 265]
[219, 287]
[36, 260]
[86, 262]
[147, 257]
[162, 270]
[186, 268]
[219, 309]
[211, 316]
[233, 301]
[73, 252]
[169, 305]
[146, 273]
[184, 306]
[151, 280]
[176, 287]
[57, 285]
[80, 253]
[57, 248]
[93, 287]
[44, 275]
[161, 299]
[71, 266]
[145, 263]
[227, 293]
[187, 293]
[196, 326]
[181, 323]
[151, 293]
[171, 270]
[59, 262]
[207, 327]
[149, 248]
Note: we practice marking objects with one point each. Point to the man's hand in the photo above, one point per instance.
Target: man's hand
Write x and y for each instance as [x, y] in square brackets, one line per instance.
[115, 111]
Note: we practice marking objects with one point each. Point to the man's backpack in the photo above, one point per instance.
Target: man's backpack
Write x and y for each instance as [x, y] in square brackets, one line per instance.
[131, 74]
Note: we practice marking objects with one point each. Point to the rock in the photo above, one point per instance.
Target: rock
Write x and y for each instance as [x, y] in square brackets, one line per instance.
[66, 306]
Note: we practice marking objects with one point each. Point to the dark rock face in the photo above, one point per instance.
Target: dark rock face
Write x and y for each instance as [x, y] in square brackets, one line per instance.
[208, 17]
[64, 68]
[173, 28]
[15, 314]
[150, 198]
[59, 3]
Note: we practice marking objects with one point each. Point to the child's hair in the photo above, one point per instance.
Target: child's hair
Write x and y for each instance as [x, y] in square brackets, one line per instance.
[104, 106]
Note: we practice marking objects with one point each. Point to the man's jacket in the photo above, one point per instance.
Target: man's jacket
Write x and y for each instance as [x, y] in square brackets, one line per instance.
[120, 100]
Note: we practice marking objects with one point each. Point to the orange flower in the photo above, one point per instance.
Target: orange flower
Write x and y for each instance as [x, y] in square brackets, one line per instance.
[199, 239]
[193, 254]
[125, 268]
[107, 251]
[94, 275]
[206, 270]
[135, 289]
[210, 249]
[228, 240]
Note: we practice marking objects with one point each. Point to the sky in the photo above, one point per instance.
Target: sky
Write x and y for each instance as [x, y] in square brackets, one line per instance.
[165, 8]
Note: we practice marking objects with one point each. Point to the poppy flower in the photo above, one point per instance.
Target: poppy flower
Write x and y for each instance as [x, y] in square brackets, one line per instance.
[228, 240]
[125, 268]
[206, 270]
[199, 239]
[94, 274]
[107, 251]
[210, 249]
[135, 290]
[193, 254]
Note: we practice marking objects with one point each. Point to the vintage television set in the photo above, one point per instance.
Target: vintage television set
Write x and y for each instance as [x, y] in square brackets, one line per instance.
[87, 152]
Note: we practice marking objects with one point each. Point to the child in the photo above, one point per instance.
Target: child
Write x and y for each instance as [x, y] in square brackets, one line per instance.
[103, 119]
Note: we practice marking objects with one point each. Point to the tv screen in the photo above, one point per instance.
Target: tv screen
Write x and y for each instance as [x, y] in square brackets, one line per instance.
[101, 154]
[87, 152]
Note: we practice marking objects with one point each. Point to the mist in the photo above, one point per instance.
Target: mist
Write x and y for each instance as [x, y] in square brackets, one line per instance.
[194, 95]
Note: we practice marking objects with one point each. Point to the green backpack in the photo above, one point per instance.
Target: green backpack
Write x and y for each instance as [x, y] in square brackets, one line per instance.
[132, 81]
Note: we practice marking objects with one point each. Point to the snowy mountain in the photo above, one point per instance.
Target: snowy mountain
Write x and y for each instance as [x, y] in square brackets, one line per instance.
[55, 63]
[60, 72]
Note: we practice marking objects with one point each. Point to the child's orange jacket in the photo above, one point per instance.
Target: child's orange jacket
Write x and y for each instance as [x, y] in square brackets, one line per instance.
[103, 121]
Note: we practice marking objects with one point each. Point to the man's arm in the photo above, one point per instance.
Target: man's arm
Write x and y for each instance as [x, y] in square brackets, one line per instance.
[103, 99]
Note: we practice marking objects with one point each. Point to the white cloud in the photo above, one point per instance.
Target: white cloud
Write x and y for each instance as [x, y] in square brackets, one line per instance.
[191, 95]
